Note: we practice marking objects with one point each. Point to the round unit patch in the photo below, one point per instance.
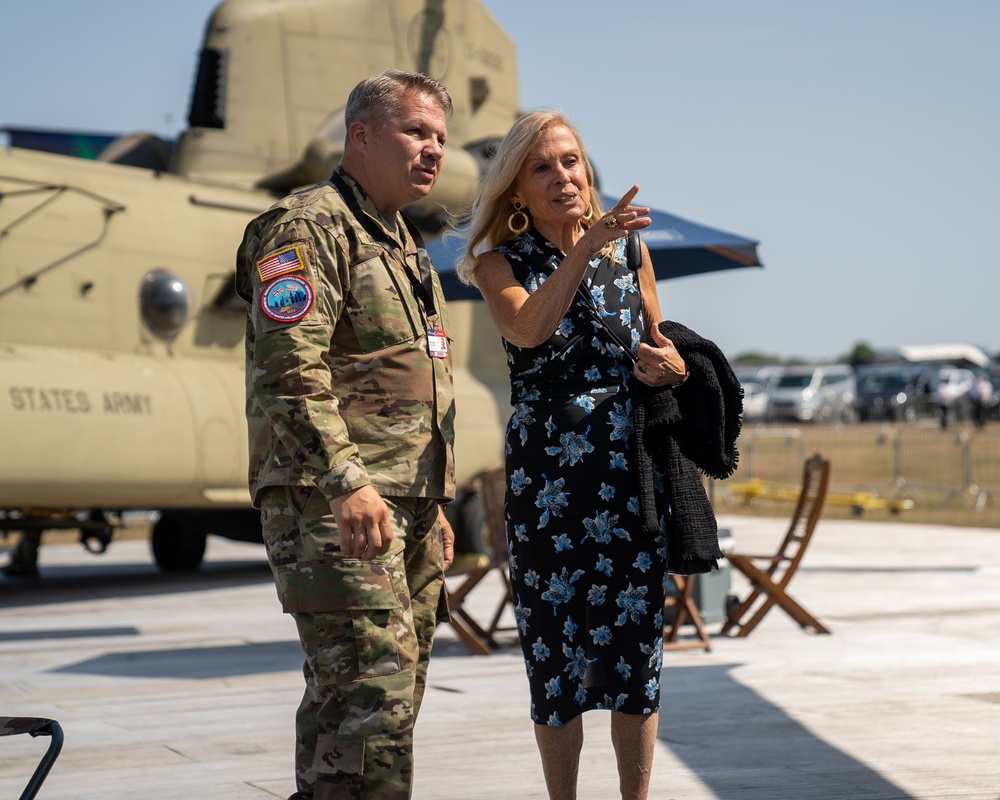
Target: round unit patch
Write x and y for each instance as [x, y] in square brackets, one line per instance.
[287, 299]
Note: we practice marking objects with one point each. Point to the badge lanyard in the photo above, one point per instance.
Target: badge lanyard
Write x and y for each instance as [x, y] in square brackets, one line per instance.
[423, 286]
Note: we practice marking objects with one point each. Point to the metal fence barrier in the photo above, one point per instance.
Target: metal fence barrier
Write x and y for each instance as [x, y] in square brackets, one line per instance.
[953, 465]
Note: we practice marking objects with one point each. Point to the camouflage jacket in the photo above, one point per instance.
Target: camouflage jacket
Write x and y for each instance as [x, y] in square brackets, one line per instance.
[341, 389]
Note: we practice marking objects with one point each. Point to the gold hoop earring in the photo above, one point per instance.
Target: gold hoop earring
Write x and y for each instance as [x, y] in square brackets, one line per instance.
[587, 218]
[518, 211]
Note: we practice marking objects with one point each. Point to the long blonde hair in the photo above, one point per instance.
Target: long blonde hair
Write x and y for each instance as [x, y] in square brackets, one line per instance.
[487, 219]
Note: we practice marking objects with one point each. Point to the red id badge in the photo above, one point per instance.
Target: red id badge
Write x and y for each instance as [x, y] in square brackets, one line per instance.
[437, 343]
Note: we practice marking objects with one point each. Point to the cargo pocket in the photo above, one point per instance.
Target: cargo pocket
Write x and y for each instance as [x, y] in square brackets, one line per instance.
[357, 614]
[378, 650]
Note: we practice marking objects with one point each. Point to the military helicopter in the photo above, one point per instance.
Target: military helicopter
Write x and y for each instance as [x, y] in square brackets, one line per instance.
[121, 338]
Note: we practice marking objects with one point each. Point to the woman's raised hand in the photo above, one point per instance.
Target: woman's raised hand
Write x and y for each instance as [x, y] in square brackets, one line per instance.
[620, 220]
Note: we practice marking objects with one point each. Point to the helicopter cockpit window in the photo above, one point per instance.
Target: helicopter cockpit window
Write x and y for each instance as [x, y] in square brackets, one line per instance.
[165, 301]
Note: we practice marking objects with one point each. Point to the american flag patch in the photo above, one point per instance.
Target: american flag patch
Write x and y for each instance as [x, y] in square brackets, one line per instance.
[279, 263]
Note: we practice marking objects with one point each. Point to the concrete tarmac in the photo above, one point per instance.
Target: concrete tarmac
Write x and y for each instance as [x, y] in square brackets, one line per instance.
[184, 686]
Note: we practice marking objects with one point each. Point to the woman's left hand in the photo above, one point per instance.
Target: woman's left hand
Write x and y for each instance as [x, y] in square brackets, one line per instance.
[659, 365]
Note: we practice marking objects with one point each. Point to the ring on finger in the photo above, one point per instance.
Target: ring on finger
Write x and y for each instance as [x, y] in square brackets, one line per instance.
[642, 367]
[611, 221]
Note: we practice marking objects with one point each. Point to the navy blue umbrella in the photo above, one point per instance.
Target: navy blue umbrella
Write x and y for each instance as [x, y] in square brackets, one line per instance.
[676, 246]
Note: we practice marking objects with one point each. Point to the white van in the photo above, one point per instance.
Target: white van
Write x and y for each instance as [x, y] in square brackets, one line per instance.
[813, 393]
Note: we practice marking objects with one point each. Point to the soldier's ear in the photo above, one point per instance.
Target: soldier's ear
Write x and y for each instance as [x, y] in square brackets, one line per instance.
[359, 134]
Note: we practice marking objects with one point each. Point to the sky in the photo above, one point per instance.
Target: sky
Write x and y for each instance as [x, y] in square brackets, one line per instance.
[857, 141]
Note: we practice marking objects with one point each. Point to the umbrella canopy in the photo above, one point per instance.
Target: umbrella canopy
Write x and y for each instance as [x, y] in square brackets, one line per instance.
[676, 246]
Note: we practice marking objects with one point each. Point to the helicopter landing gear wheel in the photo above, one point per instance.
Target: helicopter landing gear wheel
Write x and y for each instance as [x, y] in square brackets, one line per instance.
[177, 544]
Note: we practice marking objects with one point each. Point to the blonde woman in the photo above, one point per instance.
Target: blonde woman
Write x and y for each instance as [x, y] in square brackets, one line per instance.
[589, 586]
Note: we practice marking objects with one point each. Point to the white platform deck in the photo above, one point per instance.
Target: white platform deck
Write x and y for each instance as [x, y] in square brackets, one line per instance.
[184, 687]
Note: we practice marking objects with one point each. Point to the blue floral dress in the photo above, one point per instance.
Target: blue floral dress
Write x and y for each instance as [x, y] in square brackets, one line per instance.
[588, 586]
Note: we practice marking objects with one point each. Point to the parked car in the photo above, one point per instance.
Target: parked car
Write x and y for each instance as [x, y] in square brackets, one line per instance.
[900, 392]
[754, 400]
[993, 407]
[756, 384]
[816, 393]
[951, 391]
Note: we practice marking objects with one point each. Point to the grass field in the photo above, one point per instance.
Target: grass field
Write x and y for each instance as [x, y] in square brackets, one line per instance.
[951, 477]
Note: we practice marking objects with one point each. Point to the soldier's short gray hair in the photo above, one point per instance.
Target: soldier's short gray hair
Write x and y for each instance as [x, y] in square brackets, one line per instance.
[379, 97]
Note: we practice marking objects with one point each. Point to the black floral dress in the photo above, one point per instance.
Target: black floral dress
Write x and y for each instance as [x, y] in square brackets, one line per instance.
[588, 586]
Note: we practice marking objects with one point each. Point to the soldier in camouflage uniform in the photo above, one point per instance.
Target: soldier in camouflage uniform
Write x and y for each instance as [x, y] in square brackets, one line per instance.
[350, 408]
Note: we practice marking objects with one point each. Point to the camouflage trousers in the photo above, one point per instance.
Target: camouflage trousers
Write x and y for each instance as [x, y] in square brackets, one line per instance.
[366, 629]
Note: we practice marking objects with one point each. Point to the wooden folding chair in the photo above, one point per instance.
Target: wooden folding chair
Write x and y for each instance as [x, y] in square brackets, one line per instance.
[680, 609]
[769, 575]
[481, 640]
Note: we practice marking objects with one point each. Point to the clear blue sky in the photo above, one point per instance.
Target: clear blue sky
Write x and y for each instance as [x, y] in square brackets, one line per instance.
[857, 140]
